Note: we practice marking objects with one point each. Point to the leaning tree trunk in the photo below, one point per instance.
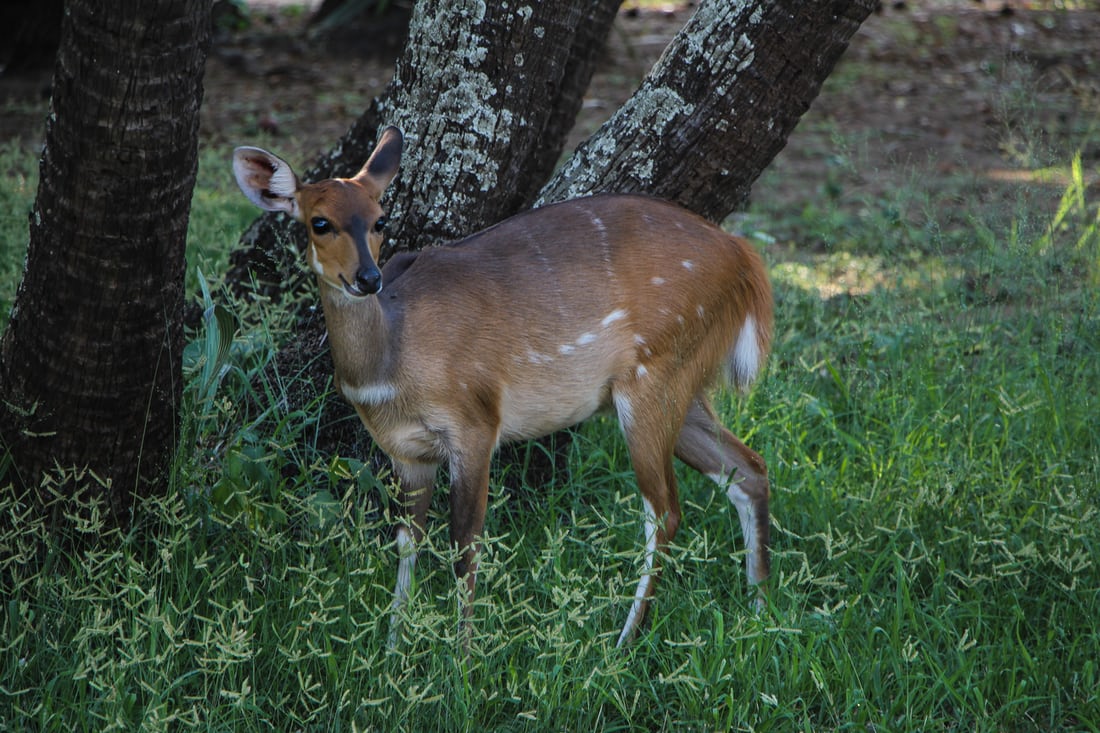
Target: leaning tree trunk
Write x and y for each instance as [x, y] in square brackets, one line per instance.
[709, 117]
[90, 366]
[718, 105]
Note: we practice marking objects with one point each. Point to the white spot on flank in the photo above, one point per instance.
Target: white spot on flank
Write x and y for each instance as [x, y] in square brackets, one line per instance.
[369, 394]
[585, 339]
[746, 354]
[640, 371]
[700, 311]
[615, 315]
[657, 280]
[639, 339]
[536, 357]
[566, 349]
[688, 265]
[642, 591]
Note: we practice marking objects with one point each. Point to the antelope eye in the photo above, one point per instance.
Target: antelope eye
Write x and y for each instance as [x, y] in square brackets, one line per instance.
[320, 225]
[380, 225]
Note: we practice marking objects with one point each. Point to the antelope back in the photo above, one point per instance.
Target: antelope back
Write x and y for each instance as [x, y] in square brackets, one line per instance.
[538, 317]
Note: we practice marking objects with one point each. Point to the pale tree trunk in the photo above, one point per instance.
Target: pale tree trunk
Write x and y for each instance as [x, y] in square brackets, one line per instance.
[90, 365]
[485, 116]
[470, 91]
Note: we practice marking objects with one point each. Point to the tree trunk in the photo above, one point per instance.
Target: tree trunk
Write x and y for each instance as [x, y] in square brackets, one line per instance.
[90, 366]
[717, 107]
[485, 117]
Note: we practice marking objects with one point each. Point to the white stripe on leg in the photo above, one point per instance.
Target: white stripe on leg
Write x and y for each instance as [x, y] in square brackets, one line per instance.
[746, 512]
[406, 553]
[642, 592]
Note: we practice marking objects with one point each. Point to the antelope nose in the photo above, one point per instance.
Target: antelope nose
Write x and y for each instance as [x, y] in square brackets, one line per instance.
[369, 282]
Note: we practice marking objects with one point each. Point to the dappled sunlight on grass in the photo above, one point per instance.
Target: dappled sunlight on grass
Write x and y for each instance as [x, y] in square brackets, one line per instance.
[846, 273]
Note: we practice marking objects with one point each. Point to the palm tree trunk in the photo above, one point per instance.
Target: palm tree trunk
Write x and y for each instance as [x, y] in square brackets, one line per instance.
[90, 365]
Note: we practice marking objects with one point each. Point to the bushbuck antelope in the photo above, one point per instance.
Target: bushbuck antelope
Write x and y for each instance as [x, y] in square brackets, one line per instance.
[615, 302]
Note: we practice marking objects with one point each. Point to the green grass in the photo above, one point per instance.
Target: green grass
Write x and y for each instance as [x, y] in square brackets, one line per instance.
[931, 425]
[19, 172]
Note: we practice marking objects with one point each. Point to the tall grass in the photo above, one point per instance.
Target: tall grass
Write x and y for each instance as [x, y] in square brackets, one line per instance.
[931, 425]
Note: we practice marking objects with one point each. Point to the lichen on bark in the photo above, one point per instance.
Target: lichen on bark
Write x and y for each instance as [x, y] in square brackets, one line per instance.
[717, 106]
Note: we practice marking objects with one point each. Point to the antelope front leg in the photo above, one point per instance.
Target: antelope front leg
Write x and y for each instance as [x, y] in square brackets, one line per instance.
[416, 482]
[469, 497]
[651, 453]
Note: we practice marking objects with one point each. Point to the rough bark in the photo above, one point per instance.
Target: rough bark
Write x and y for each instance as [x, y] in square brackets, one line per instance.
[485, 117]
[485, 94]
[90, 366]
[717, 107]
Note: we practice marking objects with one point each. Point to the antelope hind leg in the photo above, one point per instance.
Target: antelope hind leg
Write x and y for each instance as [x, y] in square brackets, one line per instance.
[708, 447]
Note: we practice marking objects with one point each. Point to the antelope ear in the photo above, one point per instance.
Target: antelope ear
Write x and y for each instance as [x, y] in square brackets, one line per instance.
[383, 163]
[267, 180]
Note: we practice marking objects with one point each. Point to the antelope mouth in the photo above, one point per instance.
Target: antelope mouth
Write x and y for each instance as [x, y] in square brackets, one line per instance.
[354, 291]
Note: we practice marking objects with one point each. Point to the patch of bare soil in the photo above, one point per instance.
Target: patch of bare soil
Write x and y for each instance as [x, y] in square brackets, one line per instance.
[977, 102]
